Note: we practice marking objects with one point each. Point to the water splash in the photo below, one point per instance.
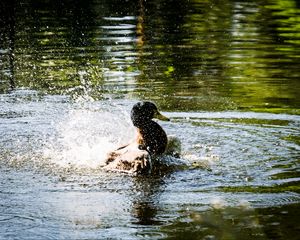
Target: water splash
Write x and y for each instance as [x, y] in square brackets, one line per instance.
[87, 133]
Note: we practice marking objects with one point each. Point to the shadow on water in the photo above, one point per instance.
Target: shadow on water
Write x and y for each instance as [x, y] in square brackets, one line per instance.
[8, 37]
[145, 206]
[226, 73]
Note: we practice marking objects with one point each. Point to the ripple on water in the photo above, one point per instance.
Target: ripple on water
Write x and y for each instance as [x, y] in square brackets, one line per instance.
[235, 155]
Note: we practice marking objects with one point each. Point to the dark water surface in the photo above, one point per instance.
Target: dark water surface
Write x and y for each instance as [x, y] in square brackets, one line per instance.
[227, 73]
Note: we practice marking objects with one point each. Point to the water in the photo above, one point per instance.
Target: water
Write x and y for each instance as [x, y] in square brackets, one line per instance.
[227, 75]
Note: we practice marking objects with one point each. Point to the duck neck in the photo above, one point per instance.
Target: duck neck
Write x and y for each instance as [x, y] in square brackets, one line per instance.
[141, 123]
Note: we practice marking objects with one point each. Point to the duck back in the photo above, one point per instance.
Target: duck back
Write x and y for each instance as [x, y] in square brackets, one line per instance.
[152, 138]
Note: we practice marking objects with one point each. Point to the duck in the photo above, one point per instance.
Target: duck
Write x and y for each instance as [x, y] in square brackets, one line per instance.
[151, 141]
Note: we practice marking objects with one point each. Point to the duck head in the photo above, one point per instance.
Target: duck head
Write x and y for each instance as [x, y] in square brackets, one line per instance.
[143, 112]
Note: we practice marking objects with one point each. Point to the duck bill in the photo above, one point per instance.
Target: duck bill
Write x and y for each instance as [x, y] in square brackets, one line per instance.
[161, 117]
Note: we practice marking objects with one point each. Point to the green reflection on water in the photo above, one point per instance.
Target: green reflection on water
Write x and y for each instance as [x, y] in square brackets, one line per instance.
[293, 138]
[290, 186]
[255, 121]
[223, 55]
[236, 223]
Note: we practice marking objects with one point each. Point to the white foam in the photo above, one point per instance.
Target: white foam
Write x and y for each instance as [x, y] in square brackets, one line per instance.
[86, 134]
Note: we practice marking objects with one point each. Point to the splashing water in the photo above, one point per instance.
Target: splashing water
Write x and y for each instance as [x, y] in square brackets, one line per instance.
[87, 133]
[48, 131]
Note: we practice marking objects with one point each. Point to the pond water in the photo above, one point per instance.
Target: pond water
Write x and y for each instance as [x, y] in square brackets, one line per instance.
[225, 72]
